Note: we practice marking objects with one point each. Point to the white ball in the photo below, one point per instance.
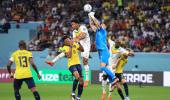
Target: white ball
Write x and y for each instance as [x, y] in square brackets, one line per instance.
[87, 7]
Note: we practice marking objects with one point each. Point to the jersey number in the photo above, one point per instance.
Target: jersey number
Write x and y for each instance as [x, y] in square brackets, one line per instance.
[23, 61]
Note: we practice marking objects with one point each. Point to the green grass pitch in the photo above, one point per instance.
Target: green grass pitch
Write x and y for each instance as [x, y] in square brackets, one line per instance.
[93, 92]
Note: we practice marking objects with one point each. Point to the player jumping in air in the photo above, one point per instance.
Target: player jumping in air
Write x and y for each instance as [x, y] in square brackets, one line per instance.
[81, 35]
[23, 59]
[101, 45]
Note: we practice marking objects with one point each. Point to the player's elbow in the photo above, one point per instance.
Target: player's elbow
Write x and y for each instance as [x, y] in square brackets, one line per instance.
[81, 49]
[33, 65]
[9, 64]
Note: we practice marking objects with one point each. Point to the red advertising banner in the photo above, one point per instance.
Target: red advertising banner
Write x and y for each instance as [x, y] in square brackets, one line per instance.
[4, 76]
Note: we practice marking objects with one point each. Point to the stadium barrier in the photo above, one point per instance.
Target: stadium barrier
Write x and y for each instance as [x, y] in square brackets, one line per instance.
[47, 76]
[166, 79]
[148, 78]
[135, 77]
[55, 76]
[4, 76]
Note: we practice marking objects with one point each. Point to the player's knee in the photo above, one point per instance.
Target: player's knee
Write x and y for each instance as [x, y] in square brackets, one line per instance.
[81, 81]
[16, 90]
[105, 77]
[85, 61]
[33, 89]
[118, 87]
[123, 81]
[116, 80]
[76, 75]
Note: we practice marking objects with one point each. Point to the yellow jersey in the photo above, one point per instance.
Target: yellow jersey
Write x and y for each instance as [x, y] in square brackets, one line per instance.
[75, 59]
[121, 64]
[21, 59]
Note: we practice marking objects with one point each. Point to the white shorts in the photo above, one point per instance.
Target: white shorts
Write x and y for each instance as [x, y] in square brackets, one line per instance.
[86, 46]
[85, 54]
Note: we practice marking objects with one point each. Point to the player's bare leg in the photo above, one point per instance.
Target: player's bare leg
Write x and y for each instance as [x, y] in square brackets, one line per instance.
[104, 83]
[86, 67]
[110, 92]
[114, 83]
[103, 95]
[110, 85]
[117, 85]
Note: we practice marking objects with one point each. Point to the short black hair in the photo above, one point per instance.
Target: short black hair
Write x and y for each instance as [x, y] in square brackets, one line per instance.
[22, 44]
[65, 37]
[74, 20]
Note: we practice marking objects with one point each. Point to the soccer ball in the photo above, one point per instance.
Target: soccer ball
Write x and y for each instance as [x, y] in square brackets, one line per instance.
[87, 7]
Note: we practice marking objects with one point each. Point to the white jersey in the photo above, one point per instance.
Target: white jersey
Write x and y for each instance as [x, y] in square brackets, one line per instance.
[115, 53]
[85, 42]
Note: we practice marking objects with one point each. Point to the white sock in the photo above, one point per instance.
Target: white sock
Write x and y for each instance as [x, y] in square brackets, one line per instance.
[73, 94]
[86, 67]
[104, 83]
[110, 93]
[58, 57]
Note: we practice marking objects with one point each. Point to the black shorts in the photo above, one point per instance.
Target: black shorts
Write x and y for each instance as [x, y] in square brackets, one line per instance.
[18, 83]
[74, 68]
[119, 76]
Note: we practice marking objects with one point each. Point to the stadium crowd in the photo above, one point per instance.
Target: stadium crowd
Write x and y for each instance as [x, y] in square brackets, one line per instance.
[142, 26]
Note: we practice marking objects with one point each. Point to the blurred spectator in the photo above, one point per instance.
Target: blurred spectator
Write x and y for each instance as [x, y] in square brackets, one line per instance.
[5, 26]
[143, 26]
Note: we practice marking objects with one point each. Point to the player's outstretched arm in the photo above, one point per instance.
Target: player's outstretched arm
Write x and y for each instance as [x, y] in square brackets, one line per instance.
[92, 25]
[94, 20]
[81, 36]
[34, 67]
[131, 52]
